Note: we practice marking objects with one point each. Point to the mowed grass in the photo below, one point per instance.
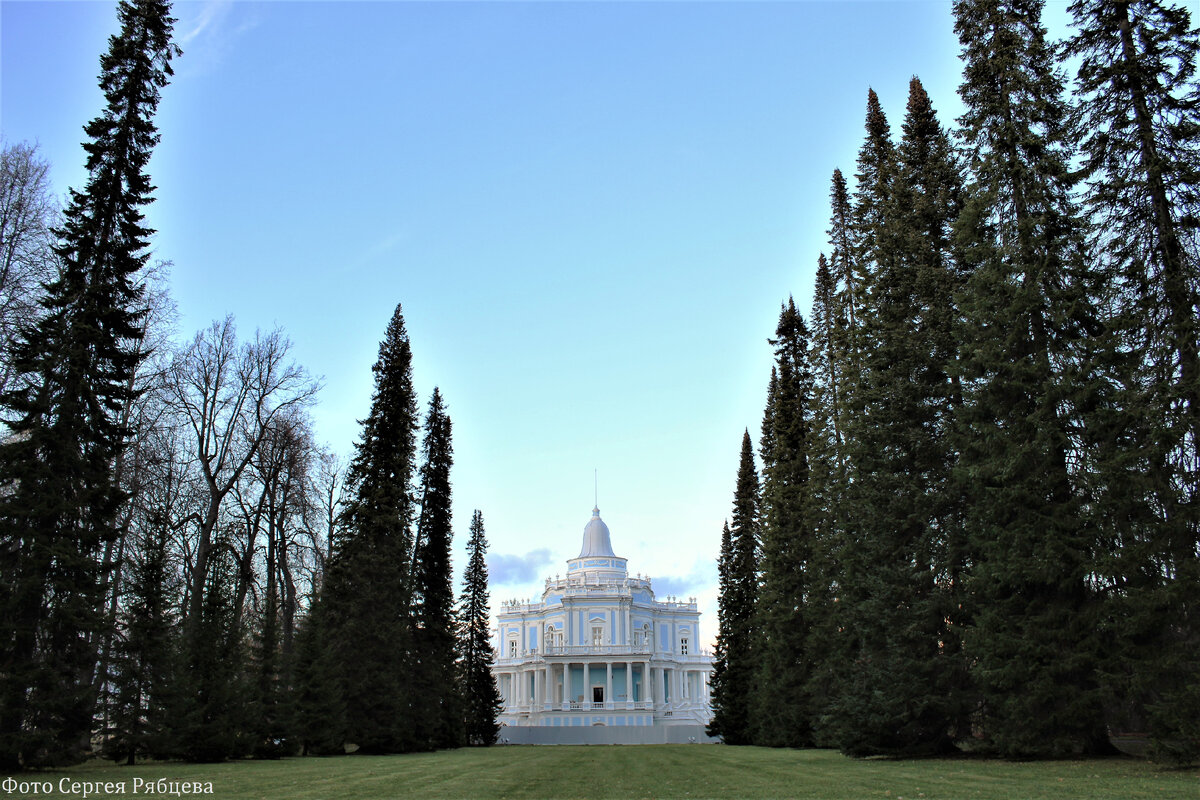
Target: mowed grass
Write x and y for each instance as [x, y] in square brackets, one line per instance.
[654, 771]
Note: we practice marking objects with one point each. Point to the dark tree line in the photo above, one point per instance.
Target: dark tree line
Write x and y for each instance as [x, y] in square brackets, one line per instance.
[184, 571]
[389, 664]
[978, 525]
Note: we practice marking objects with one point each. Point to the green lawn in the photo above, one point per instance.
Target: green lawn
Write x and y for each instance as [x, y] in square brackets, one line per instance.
[652, 771]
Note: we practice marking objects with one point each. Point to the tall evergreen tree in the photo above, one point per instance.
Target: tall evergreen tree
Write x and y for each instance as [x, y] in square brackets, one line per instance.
[209, 721]
[826, 362]
[826, 489]
[781, 706]
[320, 710]
[734, 664]
[928, 199]
[873, 197]
[724, 572]
[1137, 117]
[904, 692]
[1028, 315]
[368, 589]
[481, 696]
[60, 507]
[437, 706]
[142, 671]
[845, 266]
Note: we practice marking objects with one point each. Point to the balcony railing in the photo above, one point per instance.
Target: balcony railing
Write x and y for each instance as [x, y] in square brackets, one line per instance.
[686, 707]
[599, 649]
[617, 651]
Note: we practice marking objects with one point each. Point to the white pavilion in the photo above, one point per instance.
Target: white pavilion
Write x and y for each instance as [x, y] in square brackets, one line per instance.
[599, 659]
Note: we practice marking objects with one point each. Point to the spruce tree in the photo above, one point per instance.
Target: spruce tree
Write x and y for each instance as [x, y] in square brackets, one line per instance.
[840, 308]
[367, 595]
[826, 362]
[734, 664]
[860, 558]
[269, 714]
[1027, 313]
[61, 504]
[845, 266]
[1137, 117]
[208, 721]
[826, 489]
[480, 695]
[437, 706]
[873, 197]
[141, 674]
[905, 672]
[781, 709]
[724, 572]
[320, 711]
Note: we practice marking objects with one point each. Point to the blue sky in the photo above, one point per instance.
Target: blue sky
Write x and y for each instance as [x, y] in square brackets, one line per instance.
[590, 212]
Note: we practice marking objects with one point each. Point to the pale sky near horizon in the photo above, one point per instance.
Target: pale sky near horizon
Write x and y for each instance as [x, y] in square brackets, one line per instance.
[590, 212]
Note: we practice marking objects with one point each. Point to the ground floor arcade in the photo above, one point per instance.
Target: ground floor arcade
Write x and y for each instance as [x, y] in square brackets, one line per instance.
[544, 691]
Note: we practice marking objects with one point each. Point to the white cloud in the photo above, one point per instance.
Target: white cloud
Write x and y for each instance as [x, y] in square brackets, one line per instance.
[207, 30]
[208, 15]
[505, 569]
[702, 575]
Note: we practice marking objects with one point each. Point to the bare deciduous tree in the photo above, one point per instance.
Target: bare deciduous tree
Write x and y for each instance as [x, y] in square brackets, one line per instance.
[228, 395]
[27, 214]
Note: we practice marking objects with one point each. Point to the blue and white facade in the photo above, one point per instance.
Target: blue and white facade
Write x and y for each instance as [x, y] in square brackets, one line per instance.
[600, 650]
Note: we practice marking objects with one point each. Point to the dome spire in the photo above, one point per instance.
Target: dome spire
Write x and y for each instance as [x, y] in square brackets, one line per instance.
[596, 541]
[596, 557]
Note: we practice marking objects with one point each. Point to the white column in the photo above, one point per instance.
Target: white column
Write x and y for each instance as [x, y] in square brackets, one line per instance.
[587, 684]
[608, 698]
[648, 684]
[628, 681]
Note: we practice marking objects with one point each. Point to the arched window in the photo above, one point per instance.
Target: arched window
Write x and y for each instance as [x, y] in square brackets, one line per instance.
[554, 637]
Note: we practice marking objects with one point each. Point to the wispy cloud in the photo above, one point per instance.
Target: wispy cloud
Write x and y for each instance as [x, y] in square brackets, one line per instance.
[376, 250]
[384, 245]
[208, 29]
[513, 569]
[702, 575]
[208, 16]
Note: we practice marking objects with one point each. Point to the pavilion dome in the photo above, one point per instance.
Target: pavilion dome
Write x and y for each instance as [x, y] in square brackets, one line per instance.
[596, 540]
